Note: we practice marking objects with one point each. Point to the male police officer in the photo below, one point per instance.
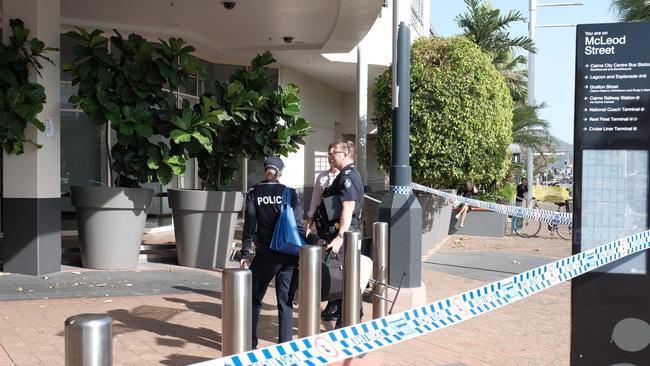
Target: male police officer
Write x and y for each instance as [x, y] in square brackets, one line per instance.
[262, 213]
[348, 186]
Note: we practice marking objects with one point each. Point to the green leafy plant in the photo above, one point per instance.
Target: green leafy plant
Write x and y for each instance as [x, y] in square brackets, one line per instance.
[253, 122]
[20, 99]
[485, 26]
[132, 89]
[461, 115]
[504, 193]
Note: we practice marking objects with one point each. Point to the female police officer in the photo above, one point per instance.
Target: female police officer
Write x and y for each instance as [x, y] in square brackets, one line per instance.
[262, 213]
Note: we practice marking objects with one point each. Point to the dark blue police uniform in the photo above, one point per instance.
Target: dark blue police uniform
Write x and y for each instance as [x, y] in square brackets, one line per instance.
[262, 213]
[348, 185]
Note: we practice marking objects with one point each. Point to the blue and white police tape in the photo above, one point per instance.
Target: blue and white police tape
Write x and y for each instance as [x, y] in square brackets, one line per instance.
[372, 335]
[552, 217]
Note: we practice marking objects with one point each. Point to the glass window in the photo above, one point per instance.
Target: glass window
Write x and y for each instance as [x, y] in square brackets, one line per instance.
[81, 160]
[190, 87]
[216, 72]
[67, 45]
[417, 8]
[614, 185]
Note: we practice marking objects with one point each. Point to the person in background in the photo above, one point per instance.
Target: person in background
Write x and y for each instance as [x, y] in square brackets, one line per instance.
[323, 182]
[470, 191]
[262, 213]
[520, 197]
[522, 192]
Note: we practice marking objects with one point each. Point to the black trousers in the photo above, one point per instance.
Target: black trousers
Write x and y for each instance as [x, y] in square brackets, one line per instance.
[265, 267]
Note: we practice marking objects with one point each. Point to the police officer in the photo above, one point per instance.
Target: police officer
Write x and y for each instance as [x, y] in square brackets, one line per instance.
[262, 213]
[348, 186]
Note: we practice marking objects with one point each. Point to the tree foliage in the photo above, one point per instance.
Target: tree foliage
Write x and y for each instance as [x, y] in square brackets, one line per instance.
[461, 115]
[255, 121]
[488, 28]
[132, 88]
[20, 99]
[632, 10]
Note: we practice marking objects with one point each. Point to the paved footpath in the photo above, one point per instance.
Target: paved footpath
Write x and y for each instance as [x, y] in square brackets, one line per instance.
[169, 315]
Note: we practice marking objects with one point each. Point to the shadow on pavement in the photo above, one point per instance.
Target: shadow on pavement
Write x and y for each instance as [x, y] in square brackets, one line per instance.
[202, 307]
[468, 267]
[155, 319]
[210, 293]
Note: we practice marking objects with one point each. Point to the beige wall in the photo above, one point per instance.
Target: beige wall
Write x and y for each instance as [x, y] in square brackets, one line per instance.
[349, 112]
[349, 126]
[37, 172]
[321, 105]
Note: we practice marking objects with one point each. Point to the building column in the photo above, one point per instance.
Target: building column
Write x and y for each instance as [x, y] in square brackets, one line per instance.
[400, 208]
[362, 112]
[32, 181]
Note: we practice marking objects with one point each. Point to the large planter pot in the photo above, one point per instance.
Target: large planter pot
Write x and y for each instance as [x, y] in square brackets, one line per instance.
[436, 212]
[204, 225]
[111, 224]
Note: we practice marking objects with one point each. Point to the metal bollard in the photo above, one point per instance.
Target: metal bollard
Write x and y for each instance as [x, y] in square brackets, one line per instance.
[311, 258]
[380, 268]
[351, 278]
[237, 315]
[89, 340]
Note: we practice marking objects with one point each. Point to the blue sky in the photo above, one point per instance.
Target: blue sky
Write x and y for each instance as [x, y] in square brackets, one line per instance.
[555, 60]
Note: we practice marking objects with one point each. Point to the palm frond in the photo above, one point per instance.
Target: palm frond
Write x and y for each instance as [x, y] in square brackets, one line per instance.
[530, 130]
[632, 10]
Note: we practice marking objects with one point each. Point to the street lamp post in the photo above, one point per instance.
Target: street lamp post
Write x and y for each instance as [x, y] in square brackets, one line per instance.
[400, 208]
[532, 25]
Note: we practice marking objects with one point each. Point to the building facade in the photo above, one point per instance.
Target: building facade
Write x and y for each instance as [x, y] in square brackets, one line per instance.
[314, 42]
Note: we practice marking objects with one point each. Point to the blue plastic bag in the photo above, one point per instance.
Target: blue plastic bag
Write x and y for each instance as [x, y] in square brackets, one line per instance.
[286, 238]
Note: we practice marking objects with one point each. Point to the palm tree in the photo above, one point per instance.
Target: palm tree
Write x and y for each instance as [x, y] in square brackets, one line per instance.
[632, 10]
[530, 130]
[485, 26]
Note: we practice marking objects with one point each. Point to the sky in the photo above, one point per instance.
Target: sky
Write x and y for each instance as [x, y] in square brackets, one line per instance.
[555, 59]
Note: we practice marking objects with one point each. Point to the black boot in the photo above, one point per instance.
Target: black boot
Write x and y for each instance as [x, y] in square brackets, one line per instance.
[330, 311]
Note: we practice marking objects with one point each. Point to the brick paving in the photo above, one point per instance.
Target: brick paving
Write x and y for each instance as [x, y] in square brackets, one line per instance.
[183, 327]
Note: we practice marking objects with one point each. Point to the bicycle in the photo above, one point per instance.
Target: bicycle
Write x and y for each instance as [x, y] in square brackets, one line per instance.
[528, 228]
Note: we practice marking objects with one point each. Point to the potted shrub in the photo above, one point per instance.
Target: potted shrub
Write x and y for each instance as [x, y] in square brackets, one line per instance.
[252, 121]
[130, 90]
[20, 99]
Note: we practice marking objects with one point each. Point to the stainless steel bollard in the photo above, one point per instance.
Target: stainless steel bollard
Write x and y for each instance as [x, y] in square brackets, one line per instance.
[89, 340]
[237, 315]
[380, 268]
[351, 278]
[311, 259]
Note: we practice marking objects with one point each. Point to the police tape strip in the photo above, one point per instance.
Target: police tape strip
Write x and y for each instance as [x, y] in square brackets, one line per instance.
[552, 217]
[372, 335]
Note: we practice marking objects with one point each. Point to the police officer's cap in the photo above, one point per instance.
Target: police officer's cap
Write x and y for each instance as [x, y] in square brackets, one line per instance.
[275, 163]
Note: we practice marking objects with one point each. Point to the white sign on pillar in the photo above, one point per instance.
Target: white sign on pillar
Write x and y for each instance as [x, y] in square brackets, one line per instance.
[49, 127]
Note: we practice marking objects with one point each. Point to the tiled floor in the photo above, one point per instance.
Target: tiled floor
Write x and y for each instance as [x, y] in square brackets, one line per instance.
[180, 324]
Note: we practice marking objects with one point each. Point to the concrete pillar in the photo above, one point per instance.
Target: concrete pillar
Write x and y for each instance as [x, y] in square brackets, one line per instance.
[400, 209]
[362, 112]
[31, 181]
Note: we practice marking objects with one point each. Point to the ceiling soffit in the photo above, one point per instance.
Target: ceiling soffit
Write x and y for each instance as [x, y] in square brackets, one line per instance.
[253, 25]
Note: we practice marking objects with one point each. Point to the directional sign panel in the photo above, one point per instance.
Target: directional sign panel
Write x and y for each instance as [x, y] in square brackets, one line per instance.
[613, 85]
